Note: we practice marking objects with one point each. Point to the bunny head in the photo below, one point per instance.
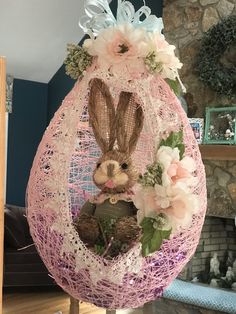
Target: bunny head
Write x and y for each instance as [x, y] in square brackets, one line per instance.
[116, 132]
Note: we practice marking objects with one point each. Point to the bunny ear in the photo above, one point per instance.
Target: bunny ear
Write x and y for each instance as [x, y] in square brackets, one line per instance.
[129, 122]
[102, 114]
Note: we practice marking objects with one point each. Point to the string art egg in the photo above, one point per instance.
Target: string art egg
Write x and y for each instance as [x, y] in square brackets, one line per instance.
[122, 104]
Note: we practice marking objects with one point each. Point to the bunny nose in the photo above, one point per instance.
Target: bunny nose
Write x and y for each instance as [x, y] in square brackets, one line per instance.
[110, 170]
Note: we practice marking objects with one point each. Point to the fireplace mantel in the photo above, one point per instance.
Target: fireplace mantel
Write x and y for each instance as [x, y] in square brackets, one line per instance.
[218, 152]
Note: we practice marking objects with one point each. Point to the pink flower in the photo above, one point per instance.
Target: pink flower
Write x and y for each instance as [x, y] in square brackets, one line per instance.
[175, 170]
[115, 45]
[178, 204]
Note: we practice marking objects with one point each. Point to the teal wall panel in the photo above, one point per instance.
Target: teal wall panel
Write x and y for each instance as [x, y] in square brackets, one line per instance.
[27, 124]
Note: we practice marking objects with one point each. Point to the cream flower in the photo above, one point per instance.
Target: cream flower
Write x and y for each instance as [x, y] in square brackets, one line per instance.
[144, 200]
[164, 55]
[175, 170]
[177, 204]
[118, 44]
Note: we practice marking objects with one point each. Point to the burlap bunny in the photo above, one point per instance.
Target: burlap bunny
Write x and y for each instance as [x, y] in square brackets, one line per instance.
[112, 212]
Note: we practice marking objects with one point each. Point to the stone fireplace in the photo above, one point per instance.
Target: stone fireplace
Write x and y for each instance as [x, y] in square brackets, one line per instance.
[197, 291]
[219, 231]
[218, 236]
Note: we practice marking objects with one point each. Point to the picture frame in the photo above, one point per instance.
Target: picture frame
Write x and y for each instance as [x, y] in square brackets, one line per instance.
[220, 125]
[197, 125]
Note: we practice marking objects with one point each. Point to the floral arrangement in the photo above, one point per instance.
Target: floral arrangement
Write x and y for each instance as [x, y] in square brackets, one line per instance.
[164, 198]
[125, 42]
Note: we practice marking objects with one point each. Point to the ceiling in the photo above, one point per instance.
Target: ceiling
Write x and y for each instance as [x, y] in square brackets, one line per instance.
[34, 35]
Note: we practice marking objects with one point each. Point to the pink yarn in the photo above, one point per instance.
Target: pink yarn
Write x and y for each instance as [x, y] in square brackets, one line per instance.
[61, 180]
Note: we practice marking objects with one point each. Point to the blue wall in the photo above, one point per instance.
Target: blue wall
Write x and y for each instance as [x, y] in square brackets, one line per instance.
[26, 126]
[58, 87]
[61, 84]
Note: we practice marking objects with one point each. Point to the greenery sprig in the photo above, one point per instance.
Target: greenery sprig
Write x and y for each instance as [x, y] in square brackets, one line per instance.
[152, 176]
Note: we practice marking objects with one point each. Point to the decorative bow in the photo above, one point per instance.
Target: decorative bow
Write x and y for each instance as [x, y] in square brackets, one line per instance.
[99, 16]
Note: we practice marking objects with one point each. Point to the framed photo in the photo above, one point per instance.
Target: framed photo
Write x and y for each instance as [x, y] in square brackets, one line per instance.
[220, 125]
[197, 125]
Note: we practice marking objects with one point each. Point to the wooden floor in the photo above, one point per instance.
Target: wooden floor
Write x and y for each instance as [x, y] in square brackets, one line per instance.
[47, 302]
[42, 303]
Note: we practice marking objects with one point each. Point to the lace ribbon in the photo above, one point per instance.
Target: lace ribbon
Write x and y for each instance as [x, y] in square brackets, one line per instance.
[99, 16]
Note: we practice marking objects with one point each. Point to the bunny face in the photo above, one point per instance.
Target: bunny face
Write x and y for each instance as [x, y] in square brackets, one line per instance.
[115, 172]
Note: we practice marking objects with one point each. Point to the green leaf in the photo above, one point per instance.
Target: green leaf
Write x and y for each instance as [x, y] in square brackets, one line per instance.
[99, 249]
[175, 86]
[147, 225]
[181, 148]
[152, 238]
[175, 139]
[166, 234]
[156, 241]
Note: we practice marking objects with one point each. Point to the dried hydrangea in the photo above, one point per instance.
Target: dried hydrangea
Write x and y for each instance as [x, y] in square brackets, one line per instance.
[152, 176]
[77, 61]
[152, 64]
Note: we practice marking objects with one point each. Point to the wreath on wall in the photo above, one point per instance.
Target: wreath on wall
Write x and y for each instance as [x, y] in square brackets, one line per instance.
[216, 62]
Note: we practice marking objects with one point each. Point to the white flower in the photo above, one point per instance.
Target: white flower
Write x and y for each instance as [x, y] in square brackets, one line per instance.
[144, 200]
[164, 54]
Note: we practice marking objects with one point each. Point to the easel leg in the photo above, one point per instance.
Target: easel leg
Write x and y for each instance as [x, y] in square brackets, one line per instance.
[74, 306]
[2, 163]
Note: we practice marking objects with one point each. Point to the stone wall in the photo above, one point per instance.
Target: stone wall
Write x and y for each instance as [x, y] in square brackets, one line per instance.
[218, 234]
[221, 188]
[185, 22]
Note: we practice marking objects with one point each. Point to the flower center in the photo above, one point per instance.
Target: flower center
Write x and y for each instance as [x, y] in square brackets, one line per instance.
[123, 48]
